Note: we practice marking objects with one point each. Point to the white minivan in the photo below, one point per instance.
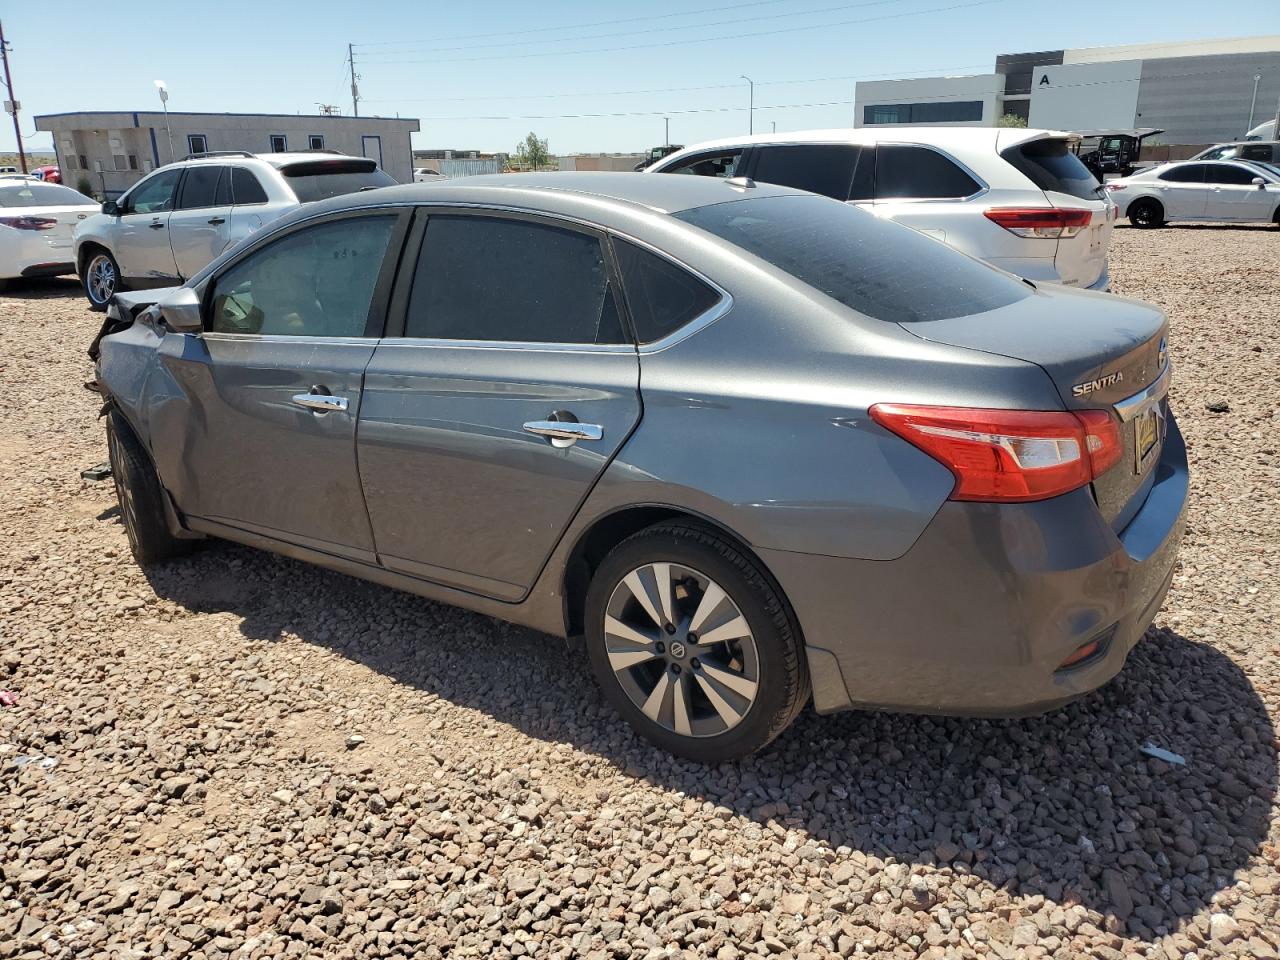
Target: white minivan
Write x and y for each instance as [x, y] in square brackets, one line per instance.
[1019, 199]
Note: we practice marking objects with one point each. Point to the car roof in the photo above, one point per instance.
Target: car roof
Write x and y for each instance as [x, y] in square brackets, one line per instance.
[282, 159]
[939, 136]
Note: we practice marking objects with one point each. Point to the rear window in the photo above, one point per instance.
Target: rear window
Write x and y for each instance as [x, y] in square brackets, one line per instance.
[877, 267]
[1051, 165]
[32, 193]
[321, 179]
[662, 296]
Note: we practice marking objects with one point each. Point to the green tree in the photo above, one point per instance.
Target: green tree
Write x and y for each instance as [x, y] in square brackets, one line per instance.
[532, 152]
[1011, 120]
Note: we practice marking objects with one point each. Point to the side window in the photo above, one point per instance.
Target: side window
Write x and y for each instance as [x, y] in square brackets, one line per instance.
[487, 278]
[197, 143]
[864, 175]
[155, 194]
[279, 143]
[245, 187]
[1256, 152]
[200, 186]
[316, 282]
[722, 164]
[315, 142]
[1226, 173]
[662, 296]
[1188, 173]
[825, 168]
[920, 173]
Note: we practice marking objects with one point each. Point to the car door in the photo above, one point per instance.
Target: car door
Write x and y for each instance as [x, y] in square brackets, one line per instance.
[1182, 192]
[141, 244]
[1232, 194]
[486, 424]
[927, 190]
[823, 168]
[199, 227]
[263, 435]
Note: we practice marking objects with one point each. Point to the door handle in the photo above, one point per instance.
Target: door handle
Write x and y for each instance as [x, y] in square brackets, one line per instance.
[321, 402]
[564, 433]
[156, 225]
[216, 220]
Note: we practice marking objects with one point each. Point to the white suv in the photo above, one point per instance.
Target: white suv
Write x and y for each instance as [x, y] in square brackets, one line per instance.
[1019, 199]
[173, 222]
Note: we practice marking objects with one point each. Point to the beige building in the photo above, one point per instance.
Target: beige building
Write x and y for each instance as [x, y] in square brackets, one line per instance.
[113, 149]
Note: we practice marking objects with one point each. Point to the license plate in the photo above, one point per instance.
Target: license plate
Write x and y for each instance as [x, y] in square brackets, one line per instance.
[1148, 429]
[1095, 239]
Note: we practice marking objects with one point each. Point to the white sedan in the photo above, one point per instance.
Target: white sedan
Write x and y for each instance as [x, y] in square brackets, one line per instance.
[1231, 190]
[36, 222]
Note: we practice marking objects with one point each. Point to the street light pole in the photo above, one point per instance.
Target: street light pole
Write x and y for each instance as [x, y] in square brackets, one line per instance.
[751, 102]
[1254, 102]
[666, 131]
[164, 102]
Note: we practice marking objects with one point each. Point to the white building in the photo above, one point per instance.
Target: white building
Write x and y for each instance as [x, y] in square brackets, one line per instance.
[1196, 91]
[112, 150]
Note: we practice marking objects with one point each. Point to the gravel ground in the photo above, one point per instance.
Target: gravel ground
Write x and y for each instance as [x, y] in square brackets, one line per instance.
[238, 755]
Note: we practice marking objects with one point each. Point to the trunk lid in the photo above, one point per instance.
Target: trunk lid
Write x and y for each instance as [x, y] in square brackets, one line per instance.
[60, 237]
[1102, 352]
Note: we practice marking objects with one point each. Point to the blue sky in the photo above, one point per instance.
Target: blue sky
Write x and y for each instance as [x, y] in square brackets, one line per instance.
[483, 74]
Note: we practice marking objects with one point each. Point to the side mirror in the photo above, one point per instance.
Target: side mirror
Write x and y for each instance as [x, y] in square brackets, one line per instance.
[180, 311]
[111, 208]
[1259, 183]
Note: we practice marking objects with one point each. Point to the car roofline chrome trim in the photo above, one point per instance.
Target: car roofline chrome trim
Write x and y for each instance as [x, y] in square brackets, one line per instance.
[1130, 407]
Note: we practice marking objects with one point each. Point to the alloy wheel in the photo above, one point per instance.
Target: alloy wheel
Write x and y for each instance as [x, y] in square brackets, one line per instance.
[681, 650]
[101, 278]
[124, 493]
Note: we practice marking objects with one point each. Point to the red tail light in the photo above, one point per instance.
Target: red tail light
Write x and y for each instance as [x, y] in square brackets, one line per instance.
[1012, 456]
[1046, 223]
[28, 223]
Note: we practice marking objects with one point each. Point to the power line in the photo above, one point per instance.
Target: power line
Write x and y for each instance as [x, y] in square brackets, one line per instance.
[645, 113]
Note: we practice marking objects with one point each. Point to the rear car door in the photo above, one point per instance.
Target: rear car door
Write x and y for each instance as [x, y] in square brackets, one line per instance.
[926, 189]
[484, 426]
[1232, 194]
[141, 235]
[199, 229]
[263, 436]
[250, 206]
[823, 168]
[1182, 191]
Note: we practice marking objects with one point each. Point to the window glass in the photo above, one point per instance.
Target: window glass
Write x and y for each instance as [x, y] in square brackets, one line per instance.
[918, 172]
[947, 111]
[196, 143]
[825, 168]
[864, 176]
[315, 141]
[722, 164]
[877, 267]
[222, 196]
[485, 278]
[662, 296]
[27, 193]
[279, 144]
[316, 282]
[200, 186]
[1186, 173]
[1220, 153]
[1226, 173]
[245, 187]
[320, 179]
[155, 194]
[1258, 152]
[1051, 165]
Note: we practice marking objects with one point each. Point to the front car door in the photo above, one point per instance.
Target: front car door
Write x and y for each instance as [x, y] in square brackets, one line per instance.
[263, 435]
[1232, 194]
[512, 333]
[199, 227]
[724, 163]
[824, 168]
[1182, 191]
[141, 244]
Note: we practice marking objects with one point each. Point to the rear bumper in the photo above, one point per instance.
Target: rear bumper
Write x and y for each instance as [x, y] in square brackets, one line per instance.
[1044, 270]
[978, 615]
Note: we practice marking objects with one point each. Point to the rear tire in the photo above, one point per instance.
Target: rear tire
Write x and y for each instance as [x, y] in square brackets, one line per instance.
[707, 701]
[141, 497]
[101, 278]
[1146, 214]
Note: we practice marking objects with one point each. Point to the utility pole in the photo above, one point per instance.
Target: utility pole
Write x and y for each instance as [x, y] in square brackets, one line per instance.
[12, 106]
[666, 131]
[355, 90]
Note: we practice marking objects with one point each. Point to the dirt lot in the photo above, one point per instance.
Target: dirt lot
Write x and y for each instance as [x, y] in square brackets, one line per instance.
[176, 778]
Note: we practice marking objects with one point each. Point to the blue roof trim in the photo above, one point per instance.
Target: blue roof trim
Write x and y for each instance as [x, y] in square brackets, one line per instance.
[135, 118]
[198, 113]
[155, 153]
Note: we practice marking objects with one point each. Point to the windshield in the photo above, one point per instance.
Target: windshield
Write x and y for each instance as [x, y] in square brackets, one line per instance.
[321, 179]
[33, 193]
[877, 267]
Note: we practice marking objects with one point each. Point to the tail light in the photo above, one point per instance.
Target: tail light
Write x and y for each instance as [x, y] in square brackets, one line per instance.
[1114, 187]
[1010, 456]
[1045, 223]
[28, 223]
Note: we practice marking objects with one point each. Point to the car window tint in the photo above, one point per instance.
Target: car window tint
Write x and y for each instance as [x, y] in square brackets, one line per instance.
[1051, 165]
[723, 163]
[245, 187]
[488, 278]
[877, 267]
[155, 194]
[1226, 173]
[26, 193]
[199, 186]
[1187, 173]
[222, 197]
[662, 296]
[825, 168]
[1219, 153]
[918, 172]
[1252, 152]
[315, 282]
[864, 175]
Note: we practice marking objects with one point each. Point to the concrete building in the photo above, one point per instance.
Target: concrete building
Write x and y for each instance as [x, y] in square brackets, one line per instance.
[112, 150]
[1197, 91]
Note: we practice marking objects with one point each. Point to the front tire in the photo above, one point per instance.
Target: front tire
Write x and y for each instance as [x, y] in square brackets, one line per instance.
[1146, 214]
[141, 498]
[693, 643]
[101, 279]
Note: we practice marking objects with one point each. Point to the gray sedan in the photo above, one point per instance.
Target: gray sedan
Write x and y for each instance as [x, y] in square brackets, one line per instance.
[752, 446]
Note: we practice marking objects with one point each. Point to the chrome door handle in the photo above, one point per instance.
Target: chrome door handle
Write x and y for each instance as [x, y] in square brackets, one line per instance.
[320, 402]
[156, 225]
[565, 433]
[216, 220]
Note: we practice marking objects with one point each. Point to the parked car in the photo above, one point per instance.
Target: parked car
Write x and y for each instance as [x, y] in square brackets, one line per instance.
[49, 174]
[750, 443]
[1233, 190]
[174, 221]
[1019, 199]
[9, 169]
[427, 175]
[36, 224]
[1264, 151]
